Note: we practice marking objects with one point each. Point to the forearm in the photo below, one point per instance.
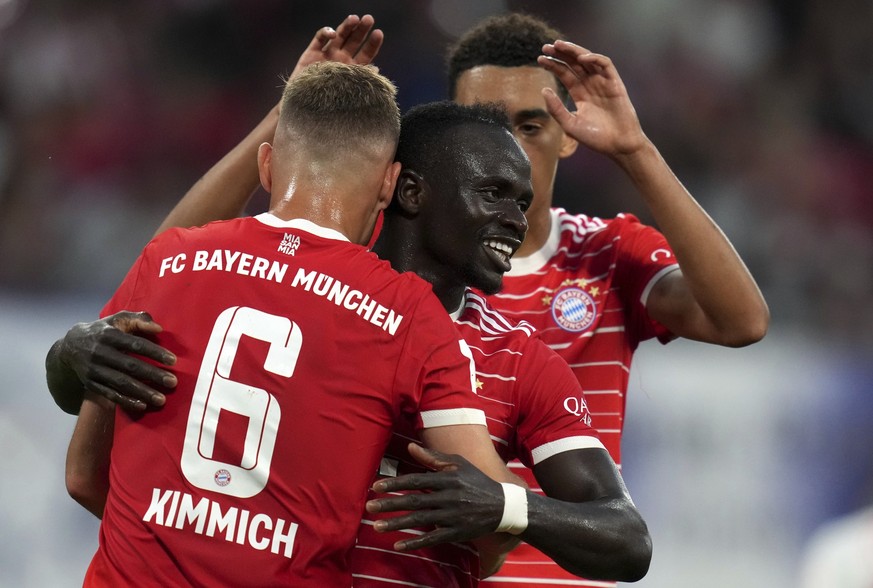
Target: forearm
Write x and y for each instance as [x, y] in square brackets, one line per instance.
[474, 444]
[223, 192]
[493, 550]
[88, 456]
[601, 539]
[716, 276]
[63, 383]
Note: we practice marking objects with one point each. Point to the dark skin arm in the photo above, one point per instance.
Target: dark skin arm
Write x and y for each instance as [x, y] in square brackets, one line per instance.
[462, 502]
[587, 524]
[104, 358]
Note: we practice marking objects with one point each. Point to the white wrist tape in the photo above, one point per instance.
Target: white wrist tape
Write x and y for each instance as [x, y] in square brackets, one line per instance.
[514, 519]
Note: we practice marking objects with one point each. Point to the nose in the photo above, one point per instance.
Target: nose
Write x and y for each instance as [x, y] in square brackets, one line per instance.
[511, 216]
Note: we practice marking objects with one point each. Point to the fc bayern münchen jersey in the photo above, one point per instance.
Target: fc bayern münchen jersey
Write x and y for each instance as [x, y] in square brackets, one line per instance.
[585, 291]
[297, 351]
[525, 388]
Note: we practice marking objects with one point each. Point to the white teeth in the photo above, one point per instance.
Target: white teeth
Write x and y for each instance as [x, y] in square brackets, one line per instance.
[503, 250]
[498, 246]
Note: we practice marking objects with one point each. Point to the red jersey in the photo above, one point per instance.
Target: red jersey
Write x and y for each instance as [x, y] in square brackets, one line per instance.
[585, 291]
[525, 388]
[297, 351]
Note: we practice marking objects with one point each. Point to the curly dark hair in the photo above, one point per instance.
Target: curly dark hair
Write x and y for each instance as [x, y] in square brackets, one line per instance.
[508, 40]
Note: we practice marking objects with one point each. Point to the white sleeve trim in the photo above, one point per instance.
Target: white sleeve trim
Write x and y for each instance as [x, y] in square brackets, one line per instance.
[543, 452]
[648, 289]
[452, 416]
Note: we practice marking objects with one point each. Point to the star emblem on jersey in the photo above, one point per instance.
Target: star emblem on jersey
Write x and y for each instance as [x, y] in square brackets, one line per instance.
[573, 309]
[546, 300]
[479, 384]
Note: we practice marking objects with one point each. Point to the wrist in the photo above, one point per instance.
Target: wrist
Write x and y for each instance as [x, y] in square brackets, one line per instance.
[640, 162]
[514, 520]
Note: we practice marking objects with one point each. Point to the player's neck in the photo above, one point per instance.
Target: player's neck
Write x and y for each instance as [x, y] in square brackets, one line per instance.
[398, 245]
[340, 223]
[450, 294]
[343, 210]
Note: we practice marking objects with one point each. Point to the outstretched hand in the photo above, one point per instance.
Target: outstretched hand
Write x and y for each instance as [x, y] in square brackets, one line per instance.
[605, 119]
[100, 353]
[354, 41]
[458, 500]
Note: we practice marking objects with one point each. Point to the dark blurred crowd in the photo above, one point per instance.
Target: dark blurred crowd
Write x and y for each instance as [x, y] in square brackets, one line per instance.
[110, 110]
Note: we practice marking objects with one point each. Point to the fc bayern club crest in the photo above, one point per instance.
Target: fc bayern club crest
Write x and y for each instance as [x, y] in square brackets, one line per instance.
[222, 477]
[573, 309]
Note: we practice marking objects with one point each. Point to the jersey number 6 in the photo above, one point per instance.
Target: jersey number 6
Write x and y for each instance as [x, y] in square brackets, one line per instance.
[215, 391]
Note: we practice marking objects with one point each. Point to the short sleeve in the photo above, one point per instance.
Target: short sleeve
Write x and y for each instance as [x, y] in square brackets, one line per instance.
[129, 293]
[441, 389]
[553, 415]
[644, 257]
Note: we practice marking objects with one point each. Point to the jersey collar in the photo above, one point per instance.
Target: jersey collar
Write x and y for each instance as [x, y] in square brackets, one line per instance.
[522, 266]
[301, 224]
[462, 304]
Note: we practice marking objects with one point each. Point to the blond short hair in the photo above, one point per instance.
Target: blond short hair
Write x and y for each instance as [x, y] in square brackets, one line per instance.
[333, 107]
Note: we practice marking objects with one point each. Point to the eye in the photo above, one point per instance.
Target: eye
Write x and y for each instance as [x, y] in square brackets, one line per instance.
[529, 129]
[490, 194]
[523, 205]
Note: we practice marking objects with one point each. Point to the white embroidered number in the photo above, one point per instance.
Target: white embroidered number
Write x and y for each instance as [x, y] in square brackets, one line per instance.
[215, 392]
[468, 353]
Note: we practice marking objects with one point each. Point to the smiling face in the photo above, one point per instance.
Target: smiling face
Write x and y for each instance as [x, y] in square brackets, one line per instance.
[473, 214]
[519, 90]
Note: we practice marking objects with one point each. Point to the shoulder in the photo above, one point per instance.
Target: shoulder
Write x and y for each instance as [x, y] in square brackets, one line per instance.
[209, 230]
[580, 225]
[583, 232]
[377, 270]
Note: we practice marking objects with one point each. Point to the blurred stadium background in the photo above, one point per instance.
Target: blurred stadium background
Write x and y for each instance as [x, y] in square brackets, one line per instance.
[110, 110]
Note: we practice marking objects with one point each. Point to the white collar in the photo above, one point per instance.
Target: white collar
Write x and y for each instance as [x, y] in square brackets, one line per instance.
[522, 266]
[456, 314]
[302, 224]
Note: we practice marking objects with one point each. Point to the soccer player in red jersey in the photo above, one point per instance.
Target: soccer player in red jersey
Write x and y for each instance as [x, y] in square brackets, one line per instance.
[297, 349]
[595, 288]
[456, 218]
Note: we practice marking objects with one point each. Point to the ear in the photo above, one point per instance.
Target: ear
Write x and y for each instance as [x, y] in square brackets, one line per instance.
[411, 191]
[568, 146]
[265, 166]
[388, 184]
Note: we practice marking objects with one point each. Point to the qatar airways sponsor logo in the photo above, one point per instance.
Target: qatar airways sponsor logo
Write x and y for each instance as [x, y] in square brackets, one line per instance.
[573, 309]
[171, 508]
[577, 406]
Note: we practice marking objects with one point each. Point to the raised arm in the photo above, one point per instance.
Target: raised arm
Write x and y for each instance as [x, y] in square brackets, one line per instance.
[223, 192]
[714, 297]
